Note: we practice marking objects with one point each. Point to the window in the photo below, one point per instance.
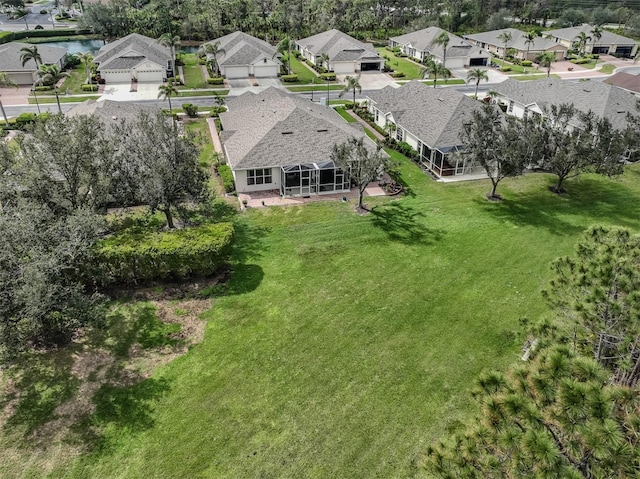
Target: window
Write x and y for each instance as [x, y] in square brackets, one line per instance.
[399, 134]
[259, 177]
[510, 109]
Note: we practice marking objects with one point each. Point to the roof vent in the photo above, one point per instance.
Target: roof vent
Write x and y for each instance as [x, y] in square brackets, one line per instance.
[586, 91]
[114, 118]
[322, 130]
[287, 133]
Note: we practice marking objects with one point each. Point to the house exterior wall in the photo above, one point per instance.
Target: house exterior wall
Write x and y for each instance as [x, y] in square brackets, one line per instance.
[240, 177]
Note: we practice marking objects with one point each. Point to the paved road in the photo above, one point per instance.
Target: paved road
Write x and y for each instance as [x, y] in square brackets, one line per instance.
[32, 19]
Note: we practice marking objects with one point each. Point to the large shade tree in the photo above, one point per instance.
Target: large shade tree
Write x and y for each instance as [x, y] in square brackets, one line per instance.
[556, 416]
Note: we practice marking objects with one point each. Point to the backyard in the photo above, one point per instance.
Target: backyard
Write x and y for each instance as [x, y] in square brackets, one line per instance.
[342, 344]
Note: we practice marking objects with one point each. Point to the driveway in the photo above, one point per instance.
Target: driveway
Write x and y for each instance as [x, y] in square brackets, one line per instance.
[122, 92]
[242, 85]
[15, 96]
[372, 80]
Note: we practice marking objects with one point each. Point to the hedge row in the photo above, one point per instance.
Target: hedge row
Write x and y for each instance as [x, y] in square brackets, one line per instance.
[6, 37]
[289, 78]
[328, 76]
[89, 87]
[215, 81]
[142, 256]
[227, 178]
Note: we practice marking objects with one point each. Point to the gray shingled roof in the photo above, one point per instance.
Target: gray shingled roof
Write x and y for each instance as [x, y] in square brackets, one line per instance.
[132, 46]
[274, 128]
[242, 49]
[435, 115]
[517, 40]
[339, 46]
[10, 56]
[604, 100]
[608, 38]
[110, 112]
[423, 40]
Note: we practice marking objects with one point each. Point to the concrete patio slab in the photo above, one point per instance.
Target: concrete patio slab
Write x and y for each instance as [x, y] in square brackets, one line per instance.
[122, 92]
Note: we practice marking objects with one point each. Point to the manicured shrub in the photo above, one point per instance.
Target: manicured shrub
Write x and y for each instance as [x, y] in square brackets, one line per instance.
[72, 61]
[397, 74]
[289, 78]
[328, 76]
[227, 178]
[526, 63]
[44, 88]
[295, 53]
[24, 119]
[89, 87]
[401, 55]
[138, 255]
[43, 11]
[505, 69]
[215, 81]
[406, 149]
[216, 110]
[190, 109]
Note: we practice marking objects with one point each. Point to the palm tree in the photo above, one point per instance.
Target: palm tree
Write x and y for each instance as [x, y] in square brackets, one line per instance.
[477, 74]
[51, 75]
[30, 53]
[351, 84]
[5, 81]
[505, 37]
[596, 34]
[581, 42]
[443, 41]
[173, 43]
[324, 61]
[166, 92]
[285, 46]
[545, 60]
[87, 60]
[435, 69]
[212, 49]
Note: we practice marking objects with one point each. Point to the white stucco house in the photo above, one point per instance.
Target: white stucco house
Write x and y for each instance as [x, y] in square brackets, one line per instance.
[346, 54]
[134, 58]
[243, 56]
[534, 97]
[460, 53]
[610, 43]
[524, 50]
[431, 121]
[277, 141]
[11, 63]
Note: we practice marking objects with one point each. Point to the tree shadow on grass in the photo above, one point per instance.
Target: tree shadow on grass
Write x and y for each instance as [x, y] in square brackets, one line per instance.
[587, 201]
[248, 241]
[404, 224]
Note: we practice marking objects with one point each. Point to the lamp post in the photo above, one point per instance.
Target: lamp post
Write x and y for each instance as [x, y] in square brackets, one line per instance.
[327, 92]
[313, 86]
[35, 95]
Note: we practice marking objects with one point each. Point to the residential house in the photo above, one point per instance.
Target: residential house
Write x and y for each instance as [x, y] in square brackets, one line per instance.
[610, 43]
[277, 141]
[11, 63]
[111, 112]
[533, 97]
[626, 81]
[243, 56]
[460, 53]
[523, 49]
[430, 120]
[134, 58]
[346, 54]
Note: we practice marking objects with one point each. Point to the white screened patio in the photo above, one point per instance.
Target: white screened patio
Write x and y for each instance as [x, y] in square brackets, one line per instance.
[313, 178]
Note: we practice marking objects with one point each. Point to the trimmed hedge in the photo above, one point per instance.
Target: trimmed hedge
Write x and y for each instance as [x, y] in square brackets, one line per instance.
[141, 256]
[89, 87]
[289, 78]
[44, 88]
[328, 76]
[505, 69]
[216, 110]
[397, 74]
[190, 109]
[215, 81]
[6, 37]
[227, 178]
[526, 63]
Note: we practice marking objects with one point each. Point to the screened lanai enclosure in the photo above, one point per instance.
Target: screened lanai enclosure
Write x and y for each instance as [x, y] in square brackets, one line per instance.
[313, 178]
[447, 161]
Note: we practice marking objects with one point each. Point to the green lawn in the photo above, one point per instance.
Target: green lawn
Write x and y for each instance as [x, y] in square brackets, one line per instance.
[63, 99]
[515, 69]
[607, 68]
[345, 114]
[450, 81]
[319, 88]
[203, 138]
[193, 77]
[344, 344]
[534, 77]
[411, 69]
[305, 75]
[210, 92]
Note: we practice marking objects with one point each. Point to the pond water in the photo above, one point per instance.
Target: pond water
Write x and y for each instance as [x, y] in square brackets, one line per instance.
[77, 46]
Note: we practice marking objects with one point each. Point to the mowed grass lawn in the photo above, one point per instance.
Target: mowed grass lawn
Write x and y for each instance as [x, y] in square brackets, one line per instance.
[193, 77]
[344, 344]
[411, 69]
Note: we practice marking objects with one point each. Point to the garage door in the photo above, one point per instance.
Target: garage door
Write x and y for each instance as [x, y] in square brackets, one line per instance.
[236, 72]
[478, 62]
[150, 76]
[21, 78]
[343, 67]
[116, 76]
[369, 66]
[265, 71]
